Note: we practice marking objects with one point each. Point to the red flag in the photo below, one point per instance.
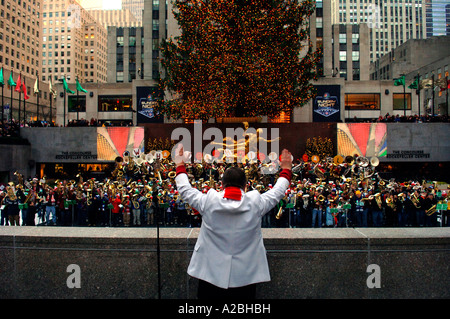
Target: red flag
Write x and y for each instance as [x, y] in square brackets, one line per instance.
[25, 96]
[18, 85]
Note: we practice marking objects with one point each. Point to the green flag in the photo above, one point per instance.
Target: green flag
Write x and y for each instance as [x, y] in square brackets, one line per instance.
[66, 87]
[11, 81]
[2, 81]
[399, 81]
[79, 88]
[414, 85]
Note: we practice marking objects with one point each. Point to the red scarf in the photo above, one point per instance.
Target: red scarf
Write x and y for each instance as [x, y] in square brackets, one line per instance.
[232, 192]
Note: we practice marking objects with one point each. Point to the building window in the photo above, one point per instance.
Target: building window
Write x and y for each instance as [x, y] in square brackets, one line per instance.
[119, 103]
[120, 41]
[76, 104]
[362, 101]
[399, 100]
[119, 76]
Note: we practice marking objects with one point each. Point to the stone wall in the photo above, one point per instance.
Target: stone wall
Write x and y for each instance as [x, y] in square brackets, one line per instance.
[122, 263]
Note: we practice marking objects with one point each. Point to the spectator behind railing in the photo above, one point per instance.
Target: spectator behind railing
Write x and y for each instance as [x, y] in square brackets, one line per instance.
[403, 119]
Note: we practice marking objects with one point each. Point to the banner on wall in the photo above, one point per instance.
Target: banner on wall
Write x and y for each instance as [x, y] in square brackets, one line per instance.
[326, 104]
[147, 97]
[364, 139]
[114, 141]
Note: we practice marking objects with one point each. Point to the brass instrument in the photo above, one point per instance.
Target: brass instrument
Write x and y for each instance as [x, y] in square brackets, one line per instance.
[172, 175]
[318, 172]
[390, 203]
[430, 211]
[362, 161]
[280, 213]
[374, 161]
[349, 160]
[415, 201]
[378, 200]
[135, 202]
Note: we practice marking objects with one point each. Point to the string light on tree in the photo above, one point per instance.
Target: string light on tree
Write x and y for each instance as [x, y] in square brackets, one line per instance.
[238, 58]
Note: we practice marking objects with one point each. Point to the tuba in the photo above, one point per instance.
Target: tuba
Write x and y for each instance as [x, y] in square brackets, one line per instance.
[415, 201]
[362, 161]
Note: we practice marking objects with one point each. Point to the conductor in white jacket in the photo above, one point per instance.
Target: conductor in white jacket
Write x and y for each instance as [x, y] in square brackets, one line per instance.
[229, 257]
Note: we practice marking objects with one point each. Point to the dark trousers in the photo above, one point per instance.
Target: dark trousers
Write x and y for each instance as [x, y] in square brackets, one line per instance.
[209, 291]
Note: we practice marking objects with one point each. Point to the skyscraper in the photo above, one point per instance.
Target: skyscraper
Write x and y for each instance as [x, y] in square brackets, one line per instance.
[73, 43]
[391, 22]
[136, 7]
[437, 16]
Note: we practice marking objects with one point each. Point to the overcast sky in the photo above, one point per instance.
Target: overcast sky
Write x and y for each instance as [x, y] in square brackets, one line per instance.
[101, 4]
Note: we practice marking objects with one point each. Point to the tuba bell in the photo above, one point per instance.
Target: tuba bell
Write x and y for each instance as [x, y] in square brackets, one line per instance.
[362, 161]
[172, 174]
[349, 160]
[374, 161]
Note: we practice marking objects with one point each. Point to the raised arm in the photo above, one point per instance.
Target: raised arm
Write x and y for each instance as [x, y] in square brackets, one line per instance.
[273, 196]
[189, 194]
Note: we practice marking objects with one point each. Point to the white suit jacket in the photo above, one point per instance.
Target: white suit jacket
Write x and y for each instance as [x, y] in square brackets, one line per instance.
[229, 251]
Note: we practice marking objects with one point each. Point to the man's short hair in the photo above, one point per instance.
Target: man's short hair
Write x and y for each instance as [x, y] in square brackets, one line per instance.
[234, 176]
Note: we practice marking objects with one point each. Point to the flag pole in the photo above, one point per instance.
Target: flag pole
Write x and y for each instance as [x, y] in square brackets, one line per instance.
[432, 90]
[3, 105]
[64, 116]
[20, 98]
[404, 97]
[418, 92]
[446, 93]
[3, 111]
[11, 106]
[37, 98]
[78, 104]
[51, 98]
[24, 104]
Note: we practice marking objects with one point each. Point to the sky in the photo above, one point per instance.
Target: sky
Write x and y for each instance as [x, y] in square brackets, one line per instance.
[101, 4]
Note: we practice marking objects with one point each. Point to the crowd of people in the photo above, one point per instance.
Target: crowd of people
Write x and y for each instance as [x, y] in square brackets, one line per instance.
[391, 118]
[12, 128]
[142, 192]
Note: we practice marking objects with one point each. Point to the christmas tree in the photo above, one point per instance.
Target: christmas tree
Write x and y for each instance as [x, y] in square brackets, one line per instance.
[238, 58]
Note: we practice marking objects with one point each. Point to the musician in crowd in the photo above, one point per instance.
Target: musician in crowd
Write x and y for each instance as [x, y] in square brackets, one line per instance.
[332, 207]
[377, 207]
[402, 209]
[391, 208]
[181, 211]
[360, 209]
[420, 207]
[126, 210]
[34, 202]
[318, 206]
[49, 201]
[3, 210]
[11, 202]
[430, 203]
[115, 211]
[296, 201]
[136, 208]
[23, 205]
